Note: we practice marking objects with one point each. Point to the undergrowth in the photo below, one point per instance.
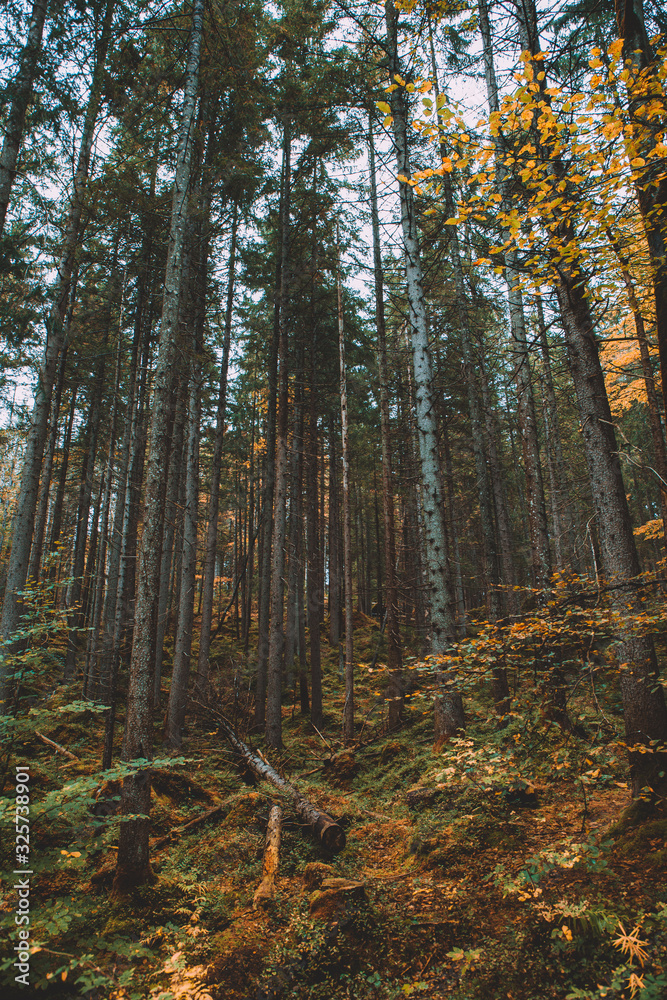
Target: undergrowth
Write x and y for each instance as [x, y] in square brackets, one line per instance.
[507, 864]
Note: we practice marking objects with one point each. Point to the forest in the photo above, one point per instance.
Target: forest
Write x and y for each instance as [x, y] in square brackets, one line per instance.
[333, 480]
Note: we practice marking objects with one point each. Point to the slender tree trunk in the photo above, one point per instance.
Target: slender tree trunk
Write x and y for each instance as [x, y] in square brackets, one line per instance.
[20, 92]
[92, 667]
[394, 649]
[133, 865]
[178, 690]
[313, 541]
[56, 523]
[643, 698]
[276, 639]
[440, 600]
[35, 563]
[334, 537]
[264, 561]
[247, 611]
[537, 518]
[503, 527]
[295, 525]
[208, 576]
[175, 470]
[348, 710]
[119, 624]
[141, 332]
[76, 615]
[454, 533]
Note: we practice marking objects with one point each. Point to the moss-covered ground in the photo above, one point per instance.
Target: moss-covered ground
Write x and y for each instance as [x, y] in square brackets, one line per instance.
[517, 868]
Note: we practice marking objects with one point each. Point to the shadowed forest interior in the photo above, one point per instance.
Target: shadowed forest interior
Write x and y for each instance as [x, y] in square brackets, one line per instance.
[334, 499]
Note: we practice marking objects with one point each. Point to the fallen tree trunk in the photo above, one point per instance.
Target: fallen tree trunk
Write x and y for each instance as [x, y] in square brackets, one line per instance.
[56, 746]
[323, 826]
[267, 887]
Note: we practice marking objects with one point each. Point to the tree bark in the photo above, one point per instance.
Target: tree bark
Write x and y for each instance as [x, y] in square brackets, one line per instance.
[644, 709]
[208, 574]
[394, 649]
[264, 596]
[133, 865]
[36, 550]
[178, 691]
[440, 598]
[328, 832]
[334, 536]
[348, 709]
[76, 614]
[313, 543]
[295, 544]
[174, 473]
[276, 638]
[266, 889]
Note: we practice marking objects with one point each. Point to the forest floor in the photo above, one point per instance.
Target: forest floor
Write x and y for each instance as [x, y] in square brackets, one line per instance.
[504, 865]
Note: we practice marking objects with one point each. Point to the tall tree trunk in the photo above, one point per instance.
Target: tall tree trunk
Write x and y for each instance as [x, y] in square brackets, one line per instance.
[295, 524]
[119, 624]
[275, 657]
[313, 542]
[440, 600]
[537, 517]
[348, 709]
[178, 691]
[264, 561]
[394, 649]
[92, 673]
[454, 533]
[172, 512]
[141, 333]
[644, 707]
[56, 523]
[247, 611]
[208, 575]
[35, 563]
[503, 528]
[133, 865]
[76, 615]
[20, 91]
[334, 533]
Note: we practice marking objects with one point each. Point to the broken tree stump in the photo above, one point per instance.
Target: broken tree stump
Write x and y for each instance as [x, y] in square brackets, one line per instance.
[328, 832]
[267, 887]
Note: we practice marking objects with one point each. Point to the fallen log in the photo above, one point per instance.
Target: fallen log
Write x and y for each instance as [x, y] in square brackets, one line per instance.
[323, 826]
[267, 887]
[56, 746]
